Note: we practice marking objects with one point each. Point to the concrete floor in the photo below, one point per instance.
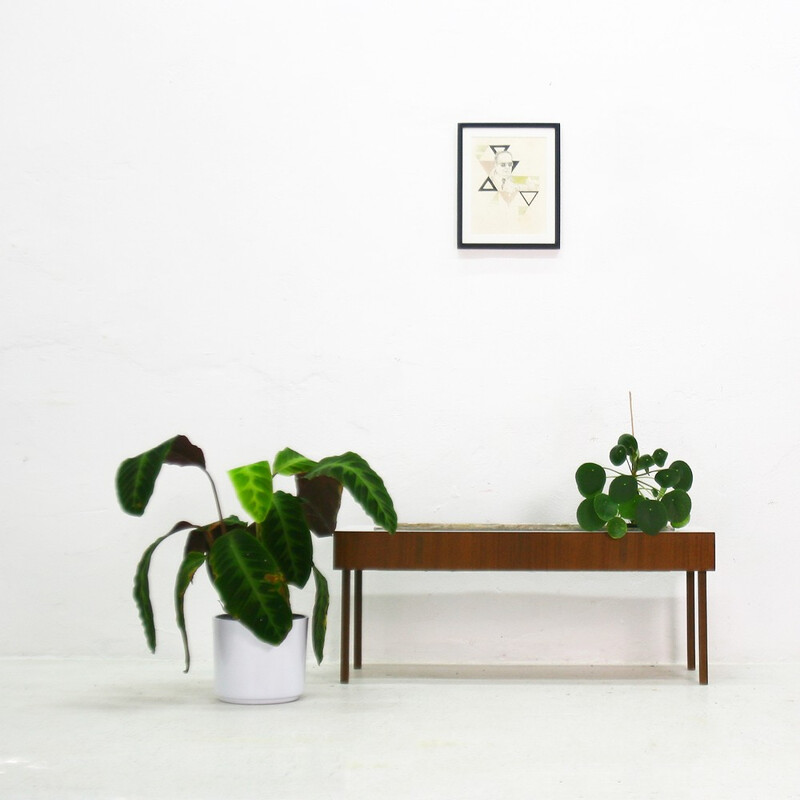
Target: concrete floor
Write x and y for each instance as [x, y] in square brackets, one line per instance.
[125, 730]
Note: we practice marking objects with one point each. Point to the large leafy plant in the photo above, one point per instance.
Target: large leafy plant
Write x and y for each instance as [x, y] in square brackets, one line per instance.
[649, 494]
[253, 564]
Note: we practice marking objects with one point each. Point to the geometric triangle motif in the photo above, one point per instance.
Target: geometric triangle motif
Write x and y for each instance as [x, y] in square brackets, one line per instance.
[527, 194]
[488, 186]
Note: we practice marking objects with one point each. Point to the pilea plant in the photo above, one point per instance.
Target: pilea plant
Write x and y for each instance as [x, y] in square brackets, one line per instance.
[649, 495]
[252, 564]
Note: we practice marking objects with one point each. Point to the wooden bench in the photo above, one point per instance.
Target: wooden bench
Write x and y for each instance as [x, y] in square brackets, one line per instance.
[526, 548]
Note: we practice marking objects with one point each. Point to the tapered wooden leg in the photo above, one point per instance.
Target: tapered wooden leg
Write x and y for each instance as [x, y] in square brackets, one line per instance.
[690, 621]
[702, 626]
[344, 663]
[357, 620]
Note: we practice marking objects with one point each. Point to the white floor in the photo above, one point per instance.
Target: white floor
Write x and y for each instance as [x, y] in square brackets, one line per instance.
[115, 729]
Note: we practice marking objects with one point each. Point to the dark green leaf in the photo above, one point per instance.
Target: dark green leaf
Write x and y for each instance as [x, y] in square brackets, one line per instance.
[587, 516]
[363, 483]
[319, 618]
[678, 505]
[198, 540]
[623, 488]
[288, 538]
[686, 476]
[251, 585]
[645, 462]
[630, 444]
[651, 516]
[617, 527]
[618, 455]
[141, 585]
[253, 485]
[604, 506]
[628, 508]
[667, 478]
[322, 499]
[660, 457]
[290, 462]
[190, 564]
[136, 477]
[590, 478]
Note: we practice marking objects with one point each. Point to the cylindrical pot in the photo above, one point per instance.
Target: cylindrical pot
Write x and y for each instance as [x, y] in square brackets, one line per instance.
[247, 670]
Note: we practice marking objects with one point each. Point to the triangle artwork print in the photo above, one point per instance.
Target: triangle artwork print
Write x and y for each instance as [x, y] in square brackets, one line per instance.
[508, 177]
[509, 185]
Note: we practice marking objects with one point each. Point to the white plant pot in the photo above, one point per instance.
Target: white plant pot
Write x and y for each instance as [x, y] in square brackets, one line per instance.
[247, 670]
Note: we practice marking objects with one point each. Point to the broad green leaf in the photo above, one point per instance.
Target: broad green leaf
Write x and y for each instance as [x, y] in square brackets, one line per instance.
[202, 537]
[290, 462]
[590, 478]
[618, 455]
[253, 485]
[587, 516]
[678, 505]
[322, 499]
[681, 523]
[363, 483]
[687, 478]
[319, 617]
[617, 527]
[604, 507]
[288, 538]
[628, 508]
[191, 563]
[141, 585]
[251, 585]
[630, 444]
[136, 477]
[623, 488]
[667, 478]
[651, 516]
[660, 456]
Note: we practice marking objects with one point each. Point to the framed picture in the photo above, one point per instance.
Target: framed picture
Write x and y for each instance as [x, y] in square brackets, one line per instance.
[509, 184]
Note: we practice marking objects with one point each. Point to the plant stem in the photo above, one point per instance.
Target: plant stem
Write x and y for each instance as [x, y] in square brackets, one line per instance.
[219, 507]
[630, 405]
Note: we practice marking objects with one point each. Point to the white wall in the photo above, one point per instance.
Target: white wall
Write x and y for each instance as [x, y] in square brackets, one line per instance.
[237, 221]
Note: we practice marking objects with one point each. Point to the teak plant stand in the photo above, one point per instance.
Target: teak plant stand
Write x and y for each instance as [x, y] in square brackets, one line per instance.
[524, 548]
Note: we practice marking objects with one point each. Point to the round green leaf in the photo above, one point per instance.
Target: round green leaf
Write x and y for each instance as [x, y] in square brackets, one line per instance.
[587, 517]
[618, 455]
[651, 516]
[591, 478]
[660, 456]
[645, 462]
[604, 506]
[667, 478]
[678, 505]
[628, 508]
[681, 524]
[629, 443]
[686, 476]
[617, 527]
[623, 488]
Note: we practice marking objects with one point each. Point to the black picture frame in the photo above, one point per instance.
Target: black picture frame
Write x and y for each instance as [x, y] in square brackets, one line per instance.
[509, 185]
